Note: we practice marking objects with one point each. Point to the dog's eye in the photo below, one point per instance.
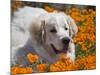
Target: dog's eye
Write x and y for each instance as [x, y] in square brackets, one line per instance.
[53, 30]
[66, 28]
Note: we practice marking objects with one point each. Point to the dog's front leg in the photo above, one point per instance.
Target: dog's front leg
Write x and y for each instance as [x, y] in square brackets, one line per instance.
[71, 51]
[19, 56]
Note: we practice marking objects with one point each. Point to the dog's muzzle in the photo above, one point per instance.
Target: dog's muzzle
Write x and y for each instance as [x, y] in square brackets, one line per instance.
[65, 40]
[64, 50]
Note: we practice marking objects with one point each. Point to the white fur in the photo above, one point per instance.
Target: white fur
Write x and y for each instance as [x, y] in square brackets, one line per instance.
[24, 18]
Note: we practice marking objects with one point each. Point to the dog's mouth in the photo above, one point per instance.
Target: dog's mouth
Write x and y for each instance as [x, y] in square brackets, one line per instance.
[64, 50]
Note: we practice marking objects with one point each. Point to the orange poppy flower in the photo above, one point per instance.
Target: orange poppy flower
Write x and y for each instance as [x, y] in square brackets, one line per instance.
[32, 58]
[21, 70]
[41, 67]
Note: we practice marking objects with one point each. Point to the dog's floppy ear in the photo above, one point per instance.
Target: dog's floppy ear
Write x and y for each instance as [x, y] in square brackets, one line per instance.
[72, 26]
[43, 31]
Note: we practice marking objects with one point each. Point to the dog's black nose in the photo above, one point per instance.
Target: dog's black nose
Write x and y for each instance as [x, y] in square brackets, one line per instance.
[65, 40]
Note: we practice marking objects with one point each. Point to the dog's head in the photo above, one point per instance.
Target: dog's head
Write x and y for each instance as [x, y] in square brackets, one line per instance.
[58, 30]
[55, 31]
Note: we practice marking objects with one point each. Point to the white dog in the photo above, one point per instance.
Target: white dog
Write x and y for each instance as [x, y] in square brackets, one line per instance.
[47, 34]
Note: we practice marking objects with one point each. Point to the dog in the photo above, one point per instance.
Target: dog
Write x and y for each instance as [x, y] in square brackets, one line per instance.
[34, 30]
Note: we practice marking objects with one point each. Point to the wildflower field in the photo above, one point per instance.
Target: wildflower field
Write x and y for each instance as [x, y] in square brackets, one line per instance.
[85, 42]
